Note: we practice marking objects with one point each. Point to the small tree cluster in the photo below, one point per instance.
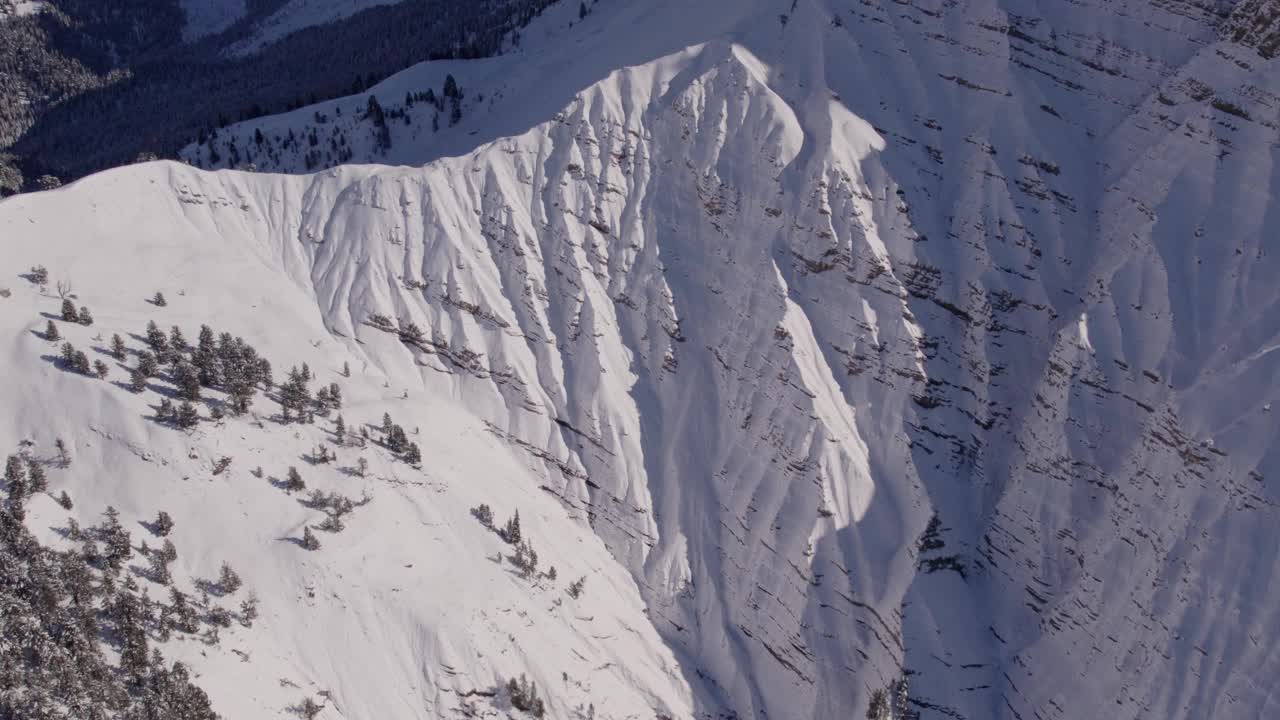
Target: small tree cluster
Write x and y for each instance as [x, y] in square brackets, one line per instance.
[184, 416]
[397, 441]
[524, 696]
[39, 275]
[575, 587]
[525, 559]
[484, 514]
[75, 360]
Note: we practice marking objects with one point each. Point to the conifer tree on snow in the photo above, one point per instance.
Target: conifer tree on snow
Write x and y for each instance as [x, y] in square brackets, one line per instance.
[84, 317]
[187, 378]
[412, 454]
[137, 380]
[309, 539]
[117, 347]
[158, 300]
[163, 524]
[37, 480]
[293, 481]
[100, 369]
[51, 332]
[69, 312]
[187, 416]
[156, 340]
[64, 456]
[15, 478]
[228, 579]
[511, 533]
[177, 341]
[147, 364]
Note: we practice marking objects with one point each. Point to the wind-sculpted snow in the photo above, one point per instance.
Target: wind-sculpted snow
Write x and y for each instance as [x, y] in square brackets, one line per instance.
[876, 340]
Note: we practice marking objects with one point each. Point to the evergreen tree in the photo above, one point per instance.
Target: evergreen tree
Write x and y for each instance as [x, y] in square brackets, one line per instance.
[177, 341]
[163, 524]
[159, 300]
[80, 363]
[69, 313]
[64, 456]
[137, 380]
[15, 478]
[117, 347]
[228, 580]
[294, 395]
[293, 481]
[51, 332]
[165, 412]
[206, 357]
[100, 369]
[65, 500]
[309, 539]
[412, 455]
[147, 364]
[85, 317]
[249, 610]
[340, 430]
[157, 341]
[187, 416]
[511, 532]
[37, 480]
[68, 355]
[187, 378]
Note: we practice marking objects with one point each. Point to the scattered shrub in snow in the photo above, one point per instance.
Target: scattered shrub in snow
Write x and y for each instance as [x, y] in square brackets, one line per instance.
[575, 587]
[39, 275]
[51, 332]
[159, 300]
[85, 317]
[65, 500]
[69, 312]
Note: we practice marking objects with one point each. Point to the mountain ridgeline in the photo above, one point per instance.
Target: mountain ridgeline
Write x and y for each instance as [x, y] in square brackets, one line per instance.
[748, 359]
[87, 85]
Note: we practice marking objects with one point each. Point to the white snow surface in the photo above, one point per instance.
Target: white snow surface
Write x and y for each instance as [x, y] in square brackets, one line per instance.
[730, 299]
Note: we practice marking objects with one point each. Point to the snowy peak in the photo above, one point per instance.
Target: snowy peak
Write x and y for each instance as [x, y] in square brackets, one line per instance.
[893, 357]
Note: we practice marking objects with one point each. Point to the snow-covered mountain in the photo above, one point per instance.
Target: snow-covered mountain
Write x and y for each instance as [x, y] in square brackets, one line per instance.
[834, 343]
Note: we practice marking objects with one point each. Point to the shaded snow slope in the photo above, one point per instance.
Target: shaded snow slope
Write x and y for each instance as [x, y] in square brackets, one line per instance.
[753, 291]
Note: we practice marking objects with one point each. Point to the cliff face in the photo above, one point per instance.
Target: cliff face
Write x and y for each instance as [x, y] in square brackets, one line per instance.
[876, 340]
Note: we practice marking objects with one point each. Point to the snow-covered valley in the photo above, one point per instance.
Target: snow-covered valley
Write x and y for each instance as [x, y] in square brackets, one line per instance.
[833, 343]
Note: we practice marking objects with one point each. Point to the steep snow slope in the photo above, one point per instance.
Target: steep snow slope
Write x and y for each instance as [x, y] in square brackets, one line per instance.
[404, 614]
[802, 277]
